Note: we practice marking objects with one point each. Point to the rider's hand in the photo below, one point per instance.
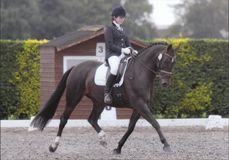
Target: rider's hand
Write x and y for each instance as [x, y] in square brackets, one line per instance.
[135, 52]
[126, 50]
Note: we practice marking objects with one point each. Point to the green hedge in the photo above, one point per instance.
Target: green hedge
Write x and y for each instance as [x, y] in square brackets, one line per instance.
[9, 98]
[19, 79]
[200, 84]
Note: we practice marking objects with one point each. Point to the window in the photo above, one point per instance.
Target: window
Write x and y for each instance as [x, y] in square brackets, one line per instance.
[70, 61]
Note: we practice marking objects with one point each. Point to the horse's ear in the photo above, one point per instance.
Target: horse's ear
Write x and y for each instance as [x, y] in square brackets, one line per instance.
[169, 48]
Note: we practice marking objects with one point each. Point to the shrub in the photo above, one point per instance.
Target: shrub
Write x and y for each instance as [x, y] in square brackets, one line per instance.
[27, 79]
[19, 81]
[9, 98]
[200, 82]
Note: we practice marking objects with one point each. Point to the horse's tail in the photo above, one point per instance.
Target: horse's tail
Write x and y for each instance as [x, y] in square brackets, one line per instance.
[48, 110]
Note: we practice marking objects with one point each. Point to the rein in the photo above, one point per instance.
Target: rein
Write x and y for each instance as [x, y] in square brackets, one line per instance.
[151, 70]
[146, 67]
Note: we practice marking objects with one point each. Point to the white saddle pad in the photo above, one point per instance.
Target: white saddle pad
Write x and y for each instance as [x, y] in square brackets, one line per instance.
[100, 76]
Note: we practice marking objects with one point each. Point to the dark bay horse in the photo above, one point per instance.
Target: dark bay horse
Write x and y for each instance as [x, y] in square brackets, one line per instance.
[135, 92]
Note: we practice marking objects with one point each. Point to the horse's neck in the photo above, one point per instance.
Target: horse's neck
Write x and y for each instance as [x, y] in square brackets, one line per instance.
[150, 55]
[144, 69]
[147, 60]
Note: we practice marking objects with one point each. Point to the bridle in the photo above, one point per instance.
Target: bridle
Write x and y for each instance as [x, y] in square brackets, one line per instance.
[172, 58]
[159, 70]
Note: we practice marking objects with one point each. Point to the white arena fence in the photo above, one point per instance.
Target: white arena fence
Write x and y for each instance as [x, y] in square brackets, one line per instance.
[213, 121]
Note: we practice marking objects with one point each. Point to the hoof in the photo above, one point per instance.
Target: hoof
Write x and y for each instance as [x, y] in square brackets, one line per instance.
[31, 129]
[167, 148]
[116, 151]
[103, 143]
[52, 149]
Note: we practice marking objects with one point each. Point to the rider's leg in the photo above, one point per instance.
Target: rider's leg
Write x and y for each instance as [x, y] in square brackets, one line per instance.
[114, 63]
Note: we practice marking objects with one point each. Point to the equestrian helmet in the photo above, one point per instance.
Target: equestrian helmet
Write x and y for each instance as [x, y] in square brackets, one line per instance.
[118, 11]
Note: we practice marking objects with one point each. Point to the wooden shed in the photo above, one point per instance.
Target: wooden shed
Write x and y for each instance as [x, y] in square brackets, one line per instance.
[60, 54]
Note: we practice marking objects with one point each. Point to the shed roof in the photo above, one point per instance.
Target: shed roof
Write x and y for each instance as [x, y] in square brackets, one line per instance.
[81, 35]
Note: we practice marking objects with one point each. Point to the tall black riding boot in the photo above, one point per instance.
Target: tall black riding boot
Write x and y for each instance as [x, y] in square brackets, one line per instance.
[109, 84]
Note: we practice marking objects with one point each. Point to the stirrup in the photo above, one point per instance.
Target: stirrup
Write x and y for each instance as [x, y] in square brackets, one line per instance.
[107, 98]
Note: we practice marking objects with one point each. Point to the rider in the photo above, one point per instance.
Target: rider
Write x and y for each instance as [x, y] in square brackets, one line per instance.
[117, 44]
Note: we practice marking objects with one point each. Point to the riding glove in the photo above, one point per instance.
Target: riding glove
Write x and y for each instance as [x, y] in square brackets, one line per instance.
[126, 50]
[135, 52]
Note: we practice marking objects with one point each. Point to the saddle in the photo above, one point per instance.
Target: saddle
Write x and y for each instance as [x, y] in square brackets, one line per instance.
[102, 72]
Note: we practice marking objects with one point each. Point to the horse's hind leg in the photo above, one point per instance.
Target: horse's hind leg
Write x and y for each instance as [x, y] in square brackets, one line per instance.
[63, 121]
[73, 96]
[93, 120]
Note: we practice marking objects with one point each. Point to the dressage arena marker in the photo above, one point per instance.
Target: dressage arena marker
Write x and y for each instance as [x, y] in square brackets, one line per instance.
[214, 121]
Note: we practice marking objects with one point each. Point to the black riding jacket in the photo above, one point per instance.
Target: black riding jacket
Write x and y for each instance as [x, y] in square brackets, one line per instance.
[115, 40]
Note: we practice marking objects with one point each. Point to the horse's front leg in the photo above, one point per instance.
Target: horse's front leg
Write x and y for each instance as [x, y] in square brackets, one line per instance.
[134, 118]
[144, 111]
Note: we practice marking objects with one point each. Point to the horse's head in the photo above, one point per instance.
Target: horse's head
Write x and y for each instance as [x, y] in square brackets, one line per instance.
[165, 61]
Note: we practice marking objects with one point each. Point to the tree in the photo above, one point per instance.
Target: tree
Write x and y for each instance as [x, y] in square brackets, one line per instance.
[19, 19]
[201, 19]
[22, 19]
[138, 19]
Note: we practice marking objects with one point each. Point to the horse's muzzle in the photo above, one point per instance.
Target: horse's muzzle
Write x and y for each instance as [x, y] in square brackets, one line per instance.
[165, 78]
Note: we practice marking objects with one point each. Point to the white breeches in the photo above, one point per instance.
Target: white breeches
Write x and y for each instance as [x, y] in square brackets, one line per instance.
[114, 62]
